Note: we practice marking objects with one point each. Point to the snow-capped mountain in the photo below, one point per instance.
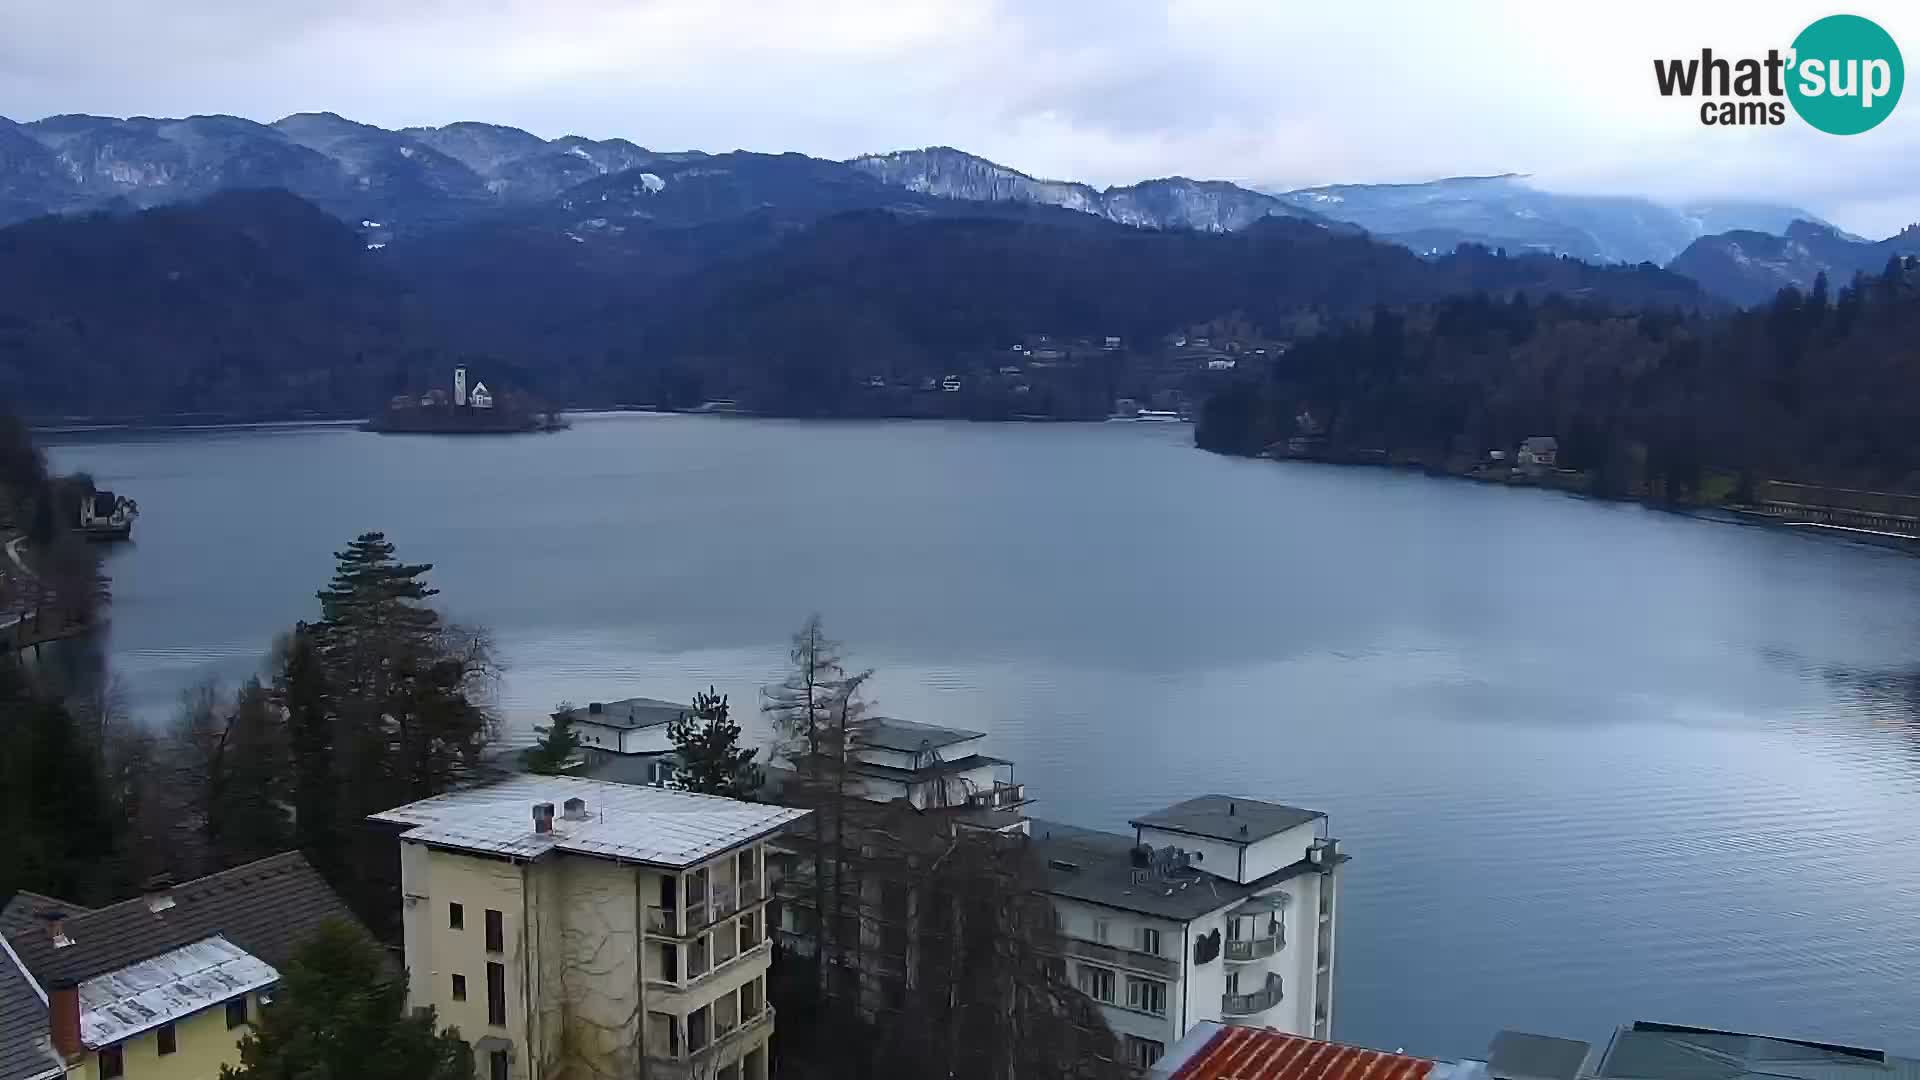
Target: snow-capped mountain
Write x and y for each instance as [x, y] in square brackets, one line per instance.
[1749, 266]
[1508, 212]
[1173, 202]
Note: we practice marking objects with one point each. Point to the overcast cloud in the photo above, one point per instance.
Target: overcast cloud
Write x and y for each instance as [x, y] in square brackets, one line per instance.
[1264, 92]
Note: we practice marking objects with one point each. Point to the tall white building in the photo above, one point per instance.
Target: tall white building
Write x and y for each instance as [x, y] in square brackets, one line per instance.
[460, 386]
[1217, 908]
[625, 935]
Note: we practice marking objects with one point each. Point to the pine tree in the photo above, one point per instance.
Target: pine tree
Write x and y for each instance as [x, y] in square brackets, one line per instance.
[300, 690]
[710, 757]
[557, 744]
[341, 1011]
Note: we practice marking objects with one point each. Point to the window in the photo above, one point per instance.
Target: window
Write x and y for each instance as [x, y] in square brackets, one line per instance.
[1233, 982]
[697, 887]
[456, 917]
[499, 1066]
[1150, 940]
[750, 1000]
[1096, 983]
[497, 994]
[698, 1033]
[1147, 995]
[749, 868]
[111, 1065]
[1100, 929]
[1059, 921]
[670, 962]
[167, 1039]
[749, 931]
[496, 932]
[1143, 1053]
[459, 988]
[237, 1012]
[1233, 929]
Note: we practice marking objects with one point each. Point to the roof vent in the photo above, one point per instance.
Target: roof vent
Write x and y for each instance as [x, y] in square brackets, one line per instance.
[1063, 864]
[542, 817]
[574, 809]
[57, 928]
[159, 892]
[595, 708]
[1230, 813]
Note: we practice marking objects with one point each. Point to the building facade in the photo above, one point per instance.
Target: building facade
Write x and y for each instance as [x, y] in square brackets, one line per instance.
[1214, 909]
[573, 927]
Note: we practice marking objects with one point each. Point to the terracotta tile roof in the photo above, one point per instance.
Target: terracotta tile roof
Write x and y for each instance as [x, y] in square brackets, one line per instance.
[1236, 1053]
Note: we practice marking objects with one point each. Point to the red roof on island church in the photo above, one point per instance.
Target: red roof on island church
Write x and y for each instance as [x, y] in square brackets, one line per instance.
[1236, 1053]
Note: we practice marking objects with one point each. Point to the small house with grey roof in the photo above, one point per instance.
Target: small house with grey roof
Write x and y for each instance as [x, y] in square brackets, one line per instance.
[163, 984]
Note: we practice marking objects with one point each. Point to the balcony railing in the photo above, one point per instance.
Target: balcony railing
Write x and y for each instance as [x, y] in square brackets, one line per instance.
[695, 974]
[999, 796]
[1256, 1002]
[1126, 958]
[702, 1062]
[1254, 948]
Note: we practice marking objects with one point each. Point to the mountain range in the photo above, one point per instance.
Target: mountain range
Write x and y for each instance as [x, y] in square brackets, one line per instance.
[422, 177]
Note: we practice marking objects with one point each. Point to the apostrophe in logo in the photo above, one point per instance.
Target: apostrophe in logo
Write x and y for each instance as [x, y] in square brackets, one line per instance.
[1846, 76]
[1843, 75]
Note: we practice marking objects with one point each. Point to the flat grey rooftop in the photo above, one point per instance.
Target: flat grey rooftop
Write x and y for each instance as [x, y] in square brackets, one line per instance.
[624, 822]
[1097, 867]
[1224, 817]
[634, 712]
[1650, 1051]
[1518, 1055]
[908, 736]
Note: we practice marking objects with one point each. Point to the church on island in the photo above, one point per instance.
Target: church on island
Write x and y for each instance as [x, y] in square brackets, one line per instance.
[467, 410]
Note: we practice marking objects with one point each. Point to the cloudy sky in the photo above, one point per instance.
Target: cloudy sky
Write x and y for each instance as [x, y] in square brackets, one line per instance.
[1278, 93]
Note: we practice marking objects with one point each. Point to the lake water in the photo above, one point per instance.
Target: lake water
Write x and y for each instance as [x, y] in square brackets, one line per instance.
[1594, 763]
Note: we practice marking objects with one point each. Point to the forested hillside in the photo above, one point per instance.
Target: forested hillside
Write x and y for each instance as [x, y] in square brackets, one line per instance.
[1817, 387]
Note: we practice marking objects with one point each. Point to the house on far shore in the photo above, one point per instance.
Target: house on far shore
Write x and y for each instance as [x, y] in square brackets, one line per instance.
[481, 398]
[1539, 454]
[626, 741]
[162, 985]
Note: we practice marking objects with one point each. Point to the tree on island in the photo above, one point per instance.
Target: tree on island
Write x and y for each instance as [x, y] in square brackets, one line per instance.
[341, 1010]
[711, 760]
[557, 744]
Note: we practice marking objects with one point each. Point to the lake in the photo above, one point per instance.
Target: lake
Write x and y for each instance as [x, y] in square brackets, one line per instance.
[1595, 763]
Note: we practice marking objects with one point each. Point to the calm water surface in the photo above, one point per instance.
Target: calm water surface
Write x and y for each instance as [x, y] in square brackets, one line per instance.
[1594, 763]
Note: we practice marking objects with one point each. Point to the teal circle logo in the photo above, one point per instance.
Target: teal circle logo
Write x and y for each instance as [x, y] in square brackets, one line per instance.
[1846, 74]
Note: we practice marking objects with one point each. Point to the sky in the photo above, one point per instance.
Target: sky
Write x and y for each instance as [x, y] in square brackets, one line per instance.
[1270, 93]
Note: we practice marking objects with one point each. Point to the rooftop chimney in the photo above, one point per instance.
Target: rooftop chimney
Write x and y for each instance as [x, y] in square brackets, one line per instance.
[63, 1016]
[159, 892]
[595, 708]
[574, 809]
[1229, 809]
[543, 817]
[57, 928]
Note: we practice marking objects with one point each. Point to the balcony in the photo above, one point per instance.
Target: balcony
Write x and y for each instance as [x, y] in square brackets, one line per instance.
[706, 1061]
[1118, 957]
[661, 920]
[1247, 950]
[725, 901]
[749, 893]
[699, 968]
[999, 797]
[1258, 1001]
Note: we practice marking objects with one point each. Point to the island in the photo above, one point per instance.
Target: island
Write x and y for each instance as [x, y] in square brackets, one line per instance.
[464, 412]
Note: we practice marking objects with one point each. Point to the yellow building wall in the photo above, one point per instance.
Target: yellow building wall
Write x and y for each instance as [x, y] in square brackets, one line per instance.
[431, 880]
[202, 1044]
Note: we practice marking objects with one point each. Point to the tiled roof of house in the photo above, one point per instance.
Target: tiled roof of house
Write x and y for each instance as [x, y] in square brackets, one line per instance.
[266, 908]
[26, 1051]
[655, 826]
[1214, 1052]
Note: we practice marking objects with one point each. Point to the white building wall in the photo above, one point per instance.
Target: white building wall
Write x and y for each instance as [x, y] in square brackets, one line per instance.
[646, 740]
[1238, 862]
